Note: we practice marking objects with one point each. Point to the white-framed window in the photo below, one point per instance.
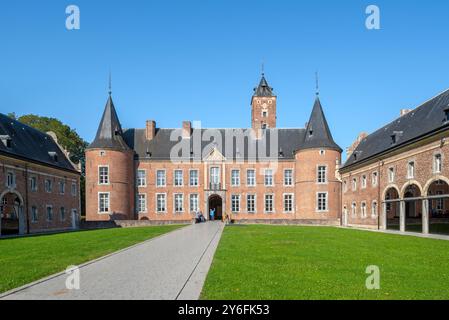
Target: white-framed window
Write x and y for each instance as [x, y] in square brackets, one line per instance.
[103, 175]
[61, 187]
[364, 182]
[102, 153]
[251, 178]
[288, 177]
[194, 178]
[322, 152]
[354, 209]
[141, 178]
[235, 178]
[161, 178]
[363, 209]
[268, 177]
[251, 203]
[141, 203]
[62, 213]
[161, 203]
[178, 202]
[215, 175]
[264, 113]
[74, 189]
[33, 184]
[10, 179]
[269, 203]
[391, 175]
[235, 203]
[288, 202]
[34, 215]
[178, 178]
[194, 202]
[374, 178]
[48, 185]
[49, 213]
[437, 163]
[354, 184]
[103, 202]
[374, 209]
[322, 174]
[345, 186]
[322, 203]
[411, 170]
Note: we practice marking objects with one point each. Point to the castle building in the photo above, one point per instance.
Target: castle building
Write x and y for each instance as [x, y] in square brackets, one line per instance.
[258, 174]
[39, 186]
[397, 177]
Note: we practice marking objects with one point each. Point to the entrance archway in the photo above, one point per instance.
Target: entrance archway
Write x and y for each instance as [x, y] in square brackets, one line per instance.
[438, 192]
[11, 214]
[413, 208]
[216, 202]
[392, 208]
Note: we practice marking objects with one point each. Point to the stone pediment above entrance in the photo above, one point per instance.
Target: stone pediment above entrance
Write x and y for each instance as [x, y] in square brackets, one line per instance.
[214, 156]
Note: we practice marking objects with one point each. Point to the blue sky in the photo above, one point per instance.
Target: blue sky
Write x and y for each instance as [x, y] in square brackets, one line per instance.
[200, 60]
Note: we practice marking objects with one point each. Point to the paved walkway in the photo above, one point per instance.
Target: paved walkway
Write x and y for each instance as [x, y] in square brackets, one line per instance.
[400, 233]
[173, 266]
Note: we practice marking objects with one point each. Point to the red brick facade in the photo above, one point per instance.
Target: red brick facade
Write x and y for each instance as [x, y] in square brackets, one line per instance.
[37, 198]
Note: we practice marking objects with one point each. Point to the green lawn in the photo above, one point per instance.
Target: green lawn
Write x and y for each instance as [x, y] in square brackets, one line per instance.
[24, 260]
[274, 262]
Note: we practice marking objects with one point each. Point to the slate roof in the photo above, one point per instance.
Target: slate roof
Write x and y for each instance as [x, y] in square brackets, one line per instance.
[109, 134]
[263, 90]
[31, 144]
[318, 134]
[428, 118]
[289, 141]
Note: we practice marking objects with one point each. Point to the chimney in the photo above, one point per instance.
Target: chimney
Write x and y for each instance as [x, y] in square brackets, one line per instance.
[150, 132]
[353, 147]
[405, 111]
[186, 129]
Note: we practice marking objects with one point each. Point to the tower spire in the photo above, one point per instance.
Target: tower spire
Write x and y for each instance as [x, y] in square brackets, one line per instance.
[263, 67]
[317, 84]
[110, 83]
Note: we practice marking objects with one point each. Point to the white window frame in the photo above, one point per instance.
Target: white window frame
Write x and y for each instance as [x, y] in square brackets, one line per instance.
[318, 202]
[273, 210]
[345, 186]
[254, 203]
[236, 199]
[34, 185]
[145, 203]
[174, 178]
[193, 210]
[354, 209]
[375, 178]
[175, 196]
[374, 209]
[411, 167]
[364, 182]
[196, 180]
[165, 203]
[139, 179]
[235, 180]
[34, 214]
[391, 174]
[214, 175]
[108, 203]
[320, 179]
[61, 187]
[438, 166]
[354, 184]
[164, 178]
[286, 179]
[292, 200]
[10, 179]
[363, 210]
[270, 177]
[48, 187]
[74, 189]
[251, 185]
[100, 175]
[61, 211]
[51, 212]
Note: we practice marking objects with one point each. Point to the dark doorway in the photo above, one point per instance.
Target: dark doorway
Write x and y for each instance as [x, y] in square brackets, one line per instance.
[10, 206]
[215, 202]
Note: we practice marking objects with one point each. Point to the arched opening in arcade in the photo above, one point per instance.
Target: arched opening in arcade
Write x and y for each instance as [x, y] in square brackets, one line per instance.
[438, 195]
[11, 214]
[392, 203]
[413, 209]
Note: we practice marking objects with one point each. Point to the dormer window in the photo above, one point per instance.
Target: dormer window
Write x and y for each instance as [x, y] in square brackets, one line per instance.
[6, 140]
[393, 138]
[446, 114]
[310, 131]
[281, 153]
[53, 156]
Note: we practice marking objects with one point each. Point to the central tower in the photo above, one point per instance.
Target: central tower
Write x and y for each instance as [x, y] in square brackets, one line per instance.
[263, 106]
